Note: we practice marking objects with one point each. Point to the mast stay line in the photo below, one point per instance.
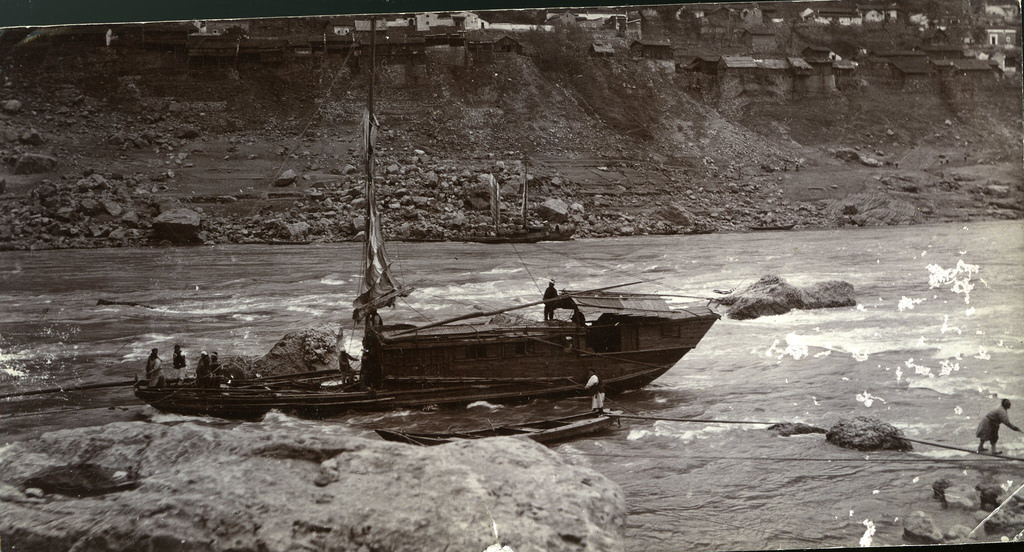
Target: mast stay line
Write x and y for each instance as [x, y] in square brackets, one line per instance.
[506, 309]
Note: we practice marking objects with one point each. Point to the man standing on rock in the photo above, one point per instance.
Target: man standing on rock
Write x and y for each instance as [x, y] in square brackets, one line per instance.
[988, 428]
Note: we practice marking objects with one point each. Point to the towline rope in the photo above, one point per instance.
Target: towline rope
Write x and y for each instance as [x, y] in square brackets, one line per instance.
[919, 441]
[663, 419]
[782, 458]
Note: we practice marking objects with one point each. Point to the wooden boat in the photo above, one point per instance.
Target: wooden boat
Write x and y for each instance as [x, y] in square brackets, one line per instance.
[526, 234]
[778, 227]
[558, 232]
[548, 431]
[630, 340]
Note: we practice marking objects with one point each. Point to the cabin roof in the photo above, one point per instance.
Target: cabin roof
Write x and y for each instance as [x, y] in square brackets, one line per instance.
[739, 62]
[595, 304]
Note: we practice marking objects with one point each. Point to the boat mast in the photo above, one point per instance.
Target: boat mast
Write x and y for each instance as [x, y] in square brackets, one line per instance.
[368, 157]
[526, 169]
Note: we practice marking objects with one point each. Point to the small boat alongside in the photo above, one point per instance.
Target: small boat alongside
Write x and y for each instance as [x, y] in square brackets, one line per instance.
[550, 431]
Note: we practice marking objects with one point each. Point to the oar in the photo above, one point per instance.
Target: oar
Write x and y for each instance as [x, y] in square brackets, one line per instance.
[66, 389]
[506, 309]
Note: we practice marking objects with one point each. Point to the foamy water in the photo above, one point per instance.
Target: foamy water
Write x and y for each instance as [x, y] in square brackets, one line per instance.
[935, 338]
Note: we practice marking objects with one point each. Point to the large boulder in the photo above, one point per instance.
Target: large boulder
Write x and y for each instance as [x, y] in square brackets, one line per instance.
[284, 484]
[11, 106]
[919, 528]
[307, 350]
[873, 209]
[553, 210]
[179, 225]
[675, 214]
[34, 163]
[477, 196]
[867, 433]
[287, 178]
[771, 294]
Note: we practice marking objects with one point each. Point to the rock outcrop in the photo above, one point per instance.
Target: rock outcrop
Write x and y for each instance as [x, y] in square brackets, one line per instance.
[772, 295]
[874, 209]
[866, 433]
[919, 528]
[284, 484]
[34, 163]
[177, 226]
[301, 351]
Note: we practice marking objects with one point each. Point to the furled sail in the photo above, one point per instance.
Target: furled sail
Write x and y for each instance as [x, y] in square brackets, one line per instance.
[379, 287]
[495, 202]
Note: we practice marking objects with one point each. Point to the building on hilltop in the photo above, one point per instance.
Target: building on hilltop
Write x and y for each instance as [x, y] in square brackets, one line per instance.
[878, 13]
[1004, 36]
[651, 49]
[600, 49]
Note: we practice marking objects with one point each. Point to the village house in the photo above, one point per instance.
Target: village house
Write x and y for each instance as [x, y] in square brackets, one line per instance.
[518, 27]
[831, 13]
[818, 53]
[1005, 12]
[1003, 36]
[940, 51]
[842, 72]
[217, 28]
[486, 48]
[457, 21]
[651, 49]
[702, 62]
[911, 74]
[801, 73]
[759, 40]
[601, 49]
[878, 13]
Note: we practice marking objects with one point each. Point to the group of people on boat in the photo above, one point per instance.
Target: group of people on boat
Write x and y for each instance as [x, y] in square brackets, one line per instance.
[207, 368]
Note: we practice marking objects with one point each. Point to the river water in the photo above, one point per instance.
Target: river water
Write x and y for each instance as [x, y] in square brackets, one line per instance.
[935, 337]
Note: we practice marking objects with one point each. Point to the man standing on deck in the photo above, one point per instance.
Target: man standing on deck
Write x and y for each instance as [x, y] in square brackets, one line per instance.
[154, 378]
[595, 387]
[203, 375]
[178, 361]
[988, 428]
[549, 306]
[214, 365]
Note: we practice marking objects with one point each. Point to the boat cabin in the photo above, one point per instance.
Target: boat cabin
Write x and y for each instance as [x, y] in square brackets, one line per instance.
[621, 332]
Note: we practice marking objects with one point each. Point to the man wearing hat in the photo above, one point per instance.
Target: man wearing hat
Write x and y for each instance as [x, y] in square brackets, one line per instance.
[154, 377]
[549, 306]
[203, 373]
[988, 428]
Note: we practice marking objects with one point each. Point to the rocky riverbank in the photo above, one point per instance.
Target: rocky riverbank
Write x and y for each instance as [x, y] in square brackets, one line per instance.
[285, 484]
[131, 153]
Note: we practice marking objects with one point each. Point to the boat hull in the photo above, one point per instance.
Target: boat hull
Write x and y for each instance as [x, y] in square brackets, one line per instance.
[451, 365]
[551, 431]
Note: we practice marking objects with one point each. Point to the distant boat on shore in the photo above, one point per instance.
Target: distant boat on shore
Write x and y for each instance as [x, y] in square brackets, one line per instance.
[777, 227]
